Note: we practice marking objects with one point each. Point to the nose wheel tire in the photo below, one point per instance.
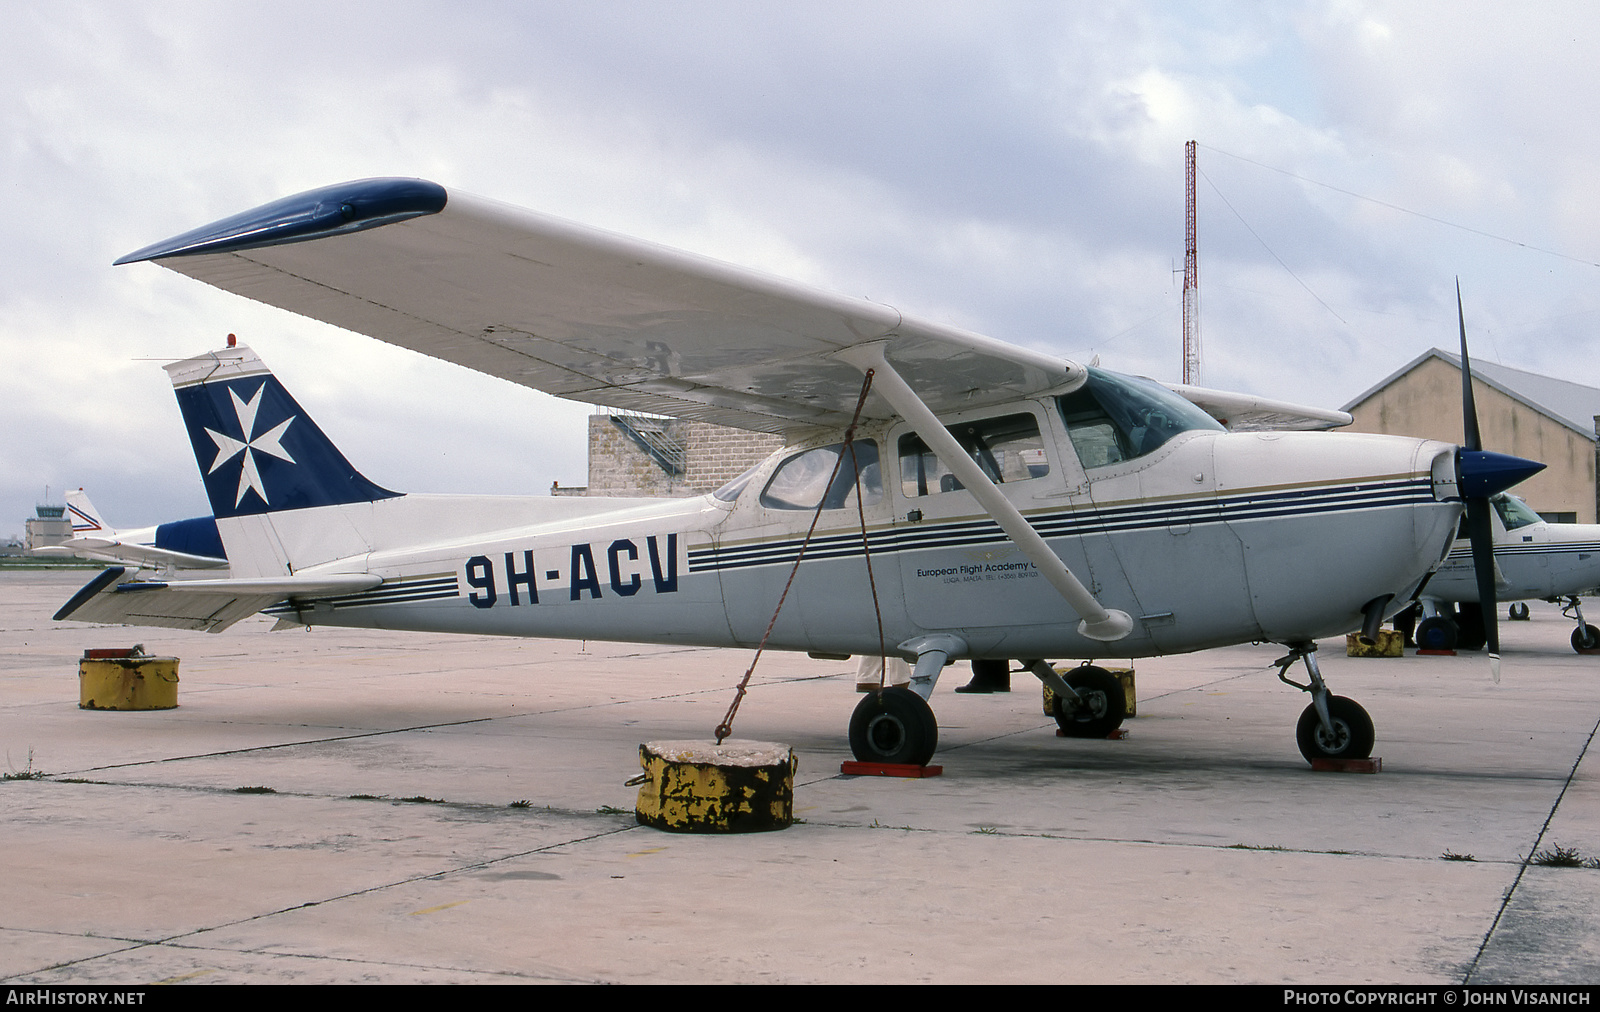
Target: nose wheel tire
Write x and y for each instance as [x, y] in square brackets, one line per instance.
[893, 726]
[1103, 705]
[1436, 633]
[1585, 638]
[1518, 612]
[1352, 736]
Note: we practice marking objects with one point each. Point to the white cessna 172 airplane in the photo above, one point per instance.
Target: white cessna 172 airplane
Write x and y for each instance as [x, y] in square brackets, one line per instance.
[182, 544]
[1015, 505]
[1534, 560]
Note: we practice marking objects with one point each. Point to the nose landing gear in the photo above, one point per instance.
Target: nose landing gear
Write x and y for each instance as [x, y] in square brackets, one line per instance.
[1586, 637]
[1332, 727]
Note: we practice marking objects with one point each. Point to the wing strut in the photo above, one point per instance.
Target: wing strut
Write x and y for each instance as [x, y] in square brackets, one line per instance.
[1099, 622]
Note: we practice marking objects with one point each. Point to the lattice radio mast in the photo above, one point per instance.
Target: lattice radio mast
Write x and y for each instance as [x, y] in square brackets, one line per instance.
[1191, 282]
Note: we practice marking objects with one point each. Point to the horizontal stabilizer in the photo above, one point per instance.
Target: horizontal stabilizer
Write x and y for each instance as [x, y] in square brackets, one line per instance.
[117, 551]
[114, 597]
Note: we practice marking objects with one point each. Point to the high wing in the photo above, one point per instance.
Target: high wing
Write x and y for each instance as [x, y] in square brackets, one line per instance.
[587, 314]
[209, 605]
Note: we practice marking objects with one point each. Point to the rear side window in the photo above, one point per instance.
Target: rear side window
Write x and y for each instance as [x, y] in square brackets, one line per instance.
[802, 481]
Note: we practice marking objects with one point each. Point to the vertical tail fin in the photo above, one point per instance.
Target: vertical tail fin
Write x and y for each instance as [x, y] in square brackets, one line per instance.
[264, 461]
[85, 518]
[258, 450]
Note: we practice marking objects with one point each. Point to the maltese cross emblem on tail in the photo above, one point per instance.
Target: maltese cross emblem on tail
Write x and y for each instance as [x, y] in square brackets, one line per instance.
[267, 442]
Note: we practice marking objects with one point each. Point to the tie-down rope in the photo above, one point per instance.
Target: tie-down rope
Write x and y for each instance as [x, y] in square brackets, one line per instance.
[725, 728]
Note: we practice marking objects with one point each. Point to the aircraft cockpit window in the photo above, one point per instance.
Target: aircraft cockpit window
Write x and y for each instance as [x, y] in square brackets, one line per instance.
[801, 482]
[1007, 449]
[730, 491]
[1514, 512]
[1112, 418]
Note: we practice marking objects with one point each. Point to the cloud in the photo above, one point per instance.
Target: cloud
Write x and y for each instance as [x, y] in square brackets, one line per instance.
[1015, 169]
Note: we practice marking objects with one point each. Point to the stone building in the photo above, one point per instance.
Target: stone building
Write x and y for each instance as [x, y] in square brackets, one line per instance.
[1522, 413]
[639, 455]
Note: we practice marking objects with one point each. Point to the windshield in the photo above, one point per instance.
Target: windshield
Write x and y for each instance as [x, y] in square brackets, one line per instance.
[1514, 512]
[1112, 418]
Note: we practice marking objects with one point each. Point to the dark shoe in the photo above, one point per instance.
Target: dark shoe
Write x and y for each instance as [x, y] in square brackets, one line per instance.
[989, 676]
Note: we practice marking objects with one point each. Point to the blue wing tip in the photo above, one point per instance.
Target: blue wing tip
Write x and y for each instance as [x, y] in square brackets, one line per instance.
[105, 578]
[315, 214]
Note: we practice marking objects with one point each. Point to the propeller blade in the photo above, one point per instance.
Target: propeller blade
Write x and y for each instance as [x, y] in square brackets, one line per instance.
[1481, 533]
[1469, 410]
[1480, 474]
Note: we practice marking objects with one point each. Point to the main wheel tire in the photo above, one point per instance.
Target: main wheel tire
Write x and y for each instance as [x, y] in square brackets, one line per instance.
[1104, 705]
[1587, 638]
[893, 726]
[1518, 612]
[1352, 736]
[1436, 633]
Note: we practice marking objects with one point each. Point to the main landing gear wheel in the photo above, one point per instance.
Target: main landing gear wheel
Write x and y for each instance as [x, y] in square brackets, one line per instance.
[1102, 708]
[1436, 633]
[1586, 637]
[1518, 612]
[1352, 736]
[893, 726]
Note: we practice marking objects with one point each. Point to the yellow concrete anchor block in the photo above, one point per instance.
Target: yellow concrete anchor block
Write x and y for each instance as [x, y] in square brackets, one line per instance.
[698, 787]
[1390, 643]
[1124, 677]
[126, 680]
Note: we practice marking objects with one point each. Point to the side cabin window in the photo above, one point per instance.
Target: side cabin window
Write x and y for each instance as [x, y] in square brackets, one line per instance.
[802, 481]
[1007, 448]
[1112, 418]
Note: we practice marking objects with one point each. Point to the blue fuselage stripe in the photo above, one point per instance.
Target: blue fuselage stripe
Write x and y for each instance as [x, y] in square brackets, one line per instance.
[1227, 509]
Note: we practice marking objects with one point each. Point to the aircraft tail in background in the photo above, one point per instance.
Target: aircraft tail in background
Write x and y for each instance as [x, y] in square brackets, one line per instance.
[182, 544]
[85, 518]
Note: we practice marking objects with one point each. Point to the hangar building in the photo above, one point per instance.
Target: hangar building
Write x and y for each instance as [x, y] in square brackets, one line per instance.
[1521, 413]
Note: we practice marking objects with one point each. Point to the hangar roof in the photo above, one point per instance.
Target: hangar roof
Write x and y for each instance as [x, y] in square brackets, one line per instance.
[1572, 404]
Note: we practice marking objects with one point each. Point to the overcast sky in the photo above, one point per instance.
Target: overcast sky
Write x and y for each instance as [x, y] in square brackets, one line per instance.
[1012, 168]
